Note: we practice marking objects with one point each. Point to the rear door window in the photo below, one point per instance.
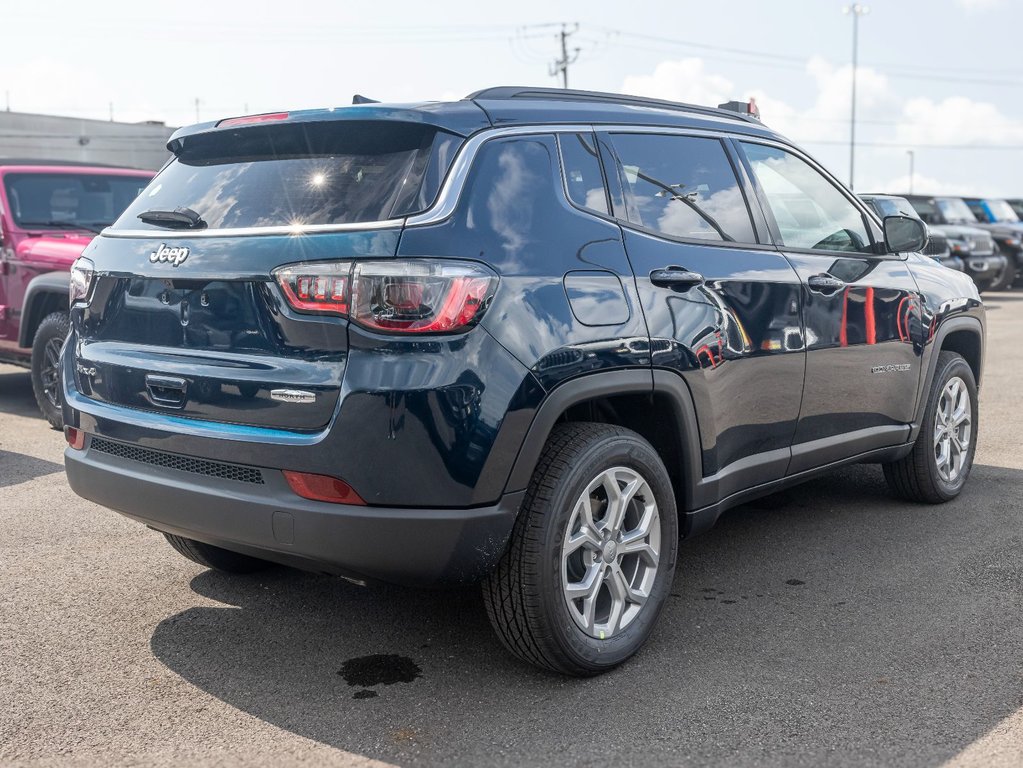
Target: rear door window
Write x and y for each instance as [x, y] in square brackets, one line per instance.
[301, 174]
[584, 181]
[682, 186]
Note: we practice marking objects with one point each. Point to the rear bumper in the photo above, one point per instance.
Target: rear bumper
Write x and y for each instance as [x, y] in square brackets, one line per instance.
[265, 519]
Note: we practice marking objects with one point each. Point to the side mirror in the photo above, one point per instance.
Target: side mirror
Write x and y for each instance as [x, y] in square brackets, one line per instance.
[904, 233]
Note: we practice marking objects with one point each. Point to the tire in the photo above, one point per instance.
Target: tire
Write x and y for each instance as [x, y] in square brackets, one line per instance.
[526, 595]
[919, 476]
[1003, 281]
[46, 384]
[215, 557]
[983, 285]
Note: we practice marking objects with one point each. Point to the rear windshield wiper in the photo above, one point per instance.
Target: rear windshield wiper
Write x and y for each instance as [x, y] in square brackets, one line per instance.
[179, 218]
[59, 225]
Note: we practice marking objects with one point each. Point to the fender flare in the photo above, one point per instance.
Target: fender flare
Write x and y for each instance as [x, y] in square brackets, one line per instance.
[664, 384]
[48, 283]
[968, 323]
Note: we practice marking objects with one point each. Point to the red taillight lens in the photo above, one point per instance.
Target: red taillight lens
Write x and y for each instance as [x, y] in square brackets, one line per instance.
[322, 488]
[420, 296]
[401, 296]
[75, 438]
[319, 287]
[268, 117]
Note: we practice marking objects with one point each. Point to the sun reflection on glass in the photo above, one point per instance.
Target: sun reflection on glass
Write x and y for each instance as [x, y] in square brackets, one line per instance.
[318, 179]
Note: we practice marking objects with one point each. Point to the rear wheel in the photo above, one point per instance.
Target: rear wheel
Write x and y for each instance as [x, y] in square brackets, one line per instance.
[939, 464]
[215, 557]
[592, 554]
[46, 385]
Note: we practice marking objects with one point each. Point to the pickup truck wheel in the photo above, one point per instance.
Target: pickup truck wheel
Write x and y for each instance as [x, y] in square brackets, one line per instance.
[46, 385]
[592, 554]
[215, 557]
[939, 464]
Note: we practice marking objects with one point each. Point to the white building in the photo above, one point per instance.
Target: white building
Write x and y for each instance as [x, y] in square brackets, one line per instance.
[51, 137]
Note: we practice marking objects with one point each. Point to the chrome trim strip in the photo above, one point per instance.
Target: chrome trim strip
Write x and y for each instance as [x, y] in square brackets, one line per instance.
[308, 229]
[451, 189]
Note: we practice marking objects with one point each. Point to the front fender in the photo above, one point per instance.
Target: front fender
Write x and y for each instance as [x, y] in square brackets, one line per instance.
[41, 286]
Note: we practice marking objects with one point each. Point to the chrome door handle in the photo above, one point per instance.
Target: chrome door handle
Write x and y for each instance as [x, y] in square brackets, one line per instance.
[676, 278]
[825, 284]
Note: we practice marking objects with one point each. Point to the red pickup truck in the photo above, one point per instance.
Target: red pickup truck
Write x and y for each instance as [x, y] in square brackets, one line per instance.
[49, 212]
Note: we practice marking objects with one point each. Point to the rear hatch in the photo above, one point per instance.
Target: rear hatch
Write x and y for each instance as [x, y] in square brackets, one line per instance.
[185, 317]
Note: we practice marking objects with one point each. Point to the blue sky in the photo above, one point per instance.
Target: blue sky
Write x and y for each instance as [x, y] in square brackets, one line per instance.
[934, 75]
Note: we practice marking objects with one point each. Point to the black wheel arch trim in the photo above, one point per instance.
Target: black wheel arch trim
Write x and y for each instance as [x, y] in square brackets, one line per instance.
[607, 384]
[968, 323]
[46, 284]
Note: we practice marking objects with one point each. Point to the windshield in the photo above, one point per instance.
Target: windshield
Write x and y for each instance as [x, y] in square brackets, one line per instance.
[1001, 211]
[300, 174]
[955, 211]
[69, 200]
[893, 206]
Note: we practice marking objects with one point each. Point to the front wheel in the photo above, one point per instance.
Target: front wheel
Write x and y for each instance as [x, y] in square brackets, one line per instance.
[939, 464]
[592, 554]
[46, 347]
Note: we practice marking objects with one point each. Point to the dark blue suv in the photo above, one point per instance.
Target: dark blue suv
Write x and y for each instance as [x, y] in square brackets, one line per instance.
[530, 338]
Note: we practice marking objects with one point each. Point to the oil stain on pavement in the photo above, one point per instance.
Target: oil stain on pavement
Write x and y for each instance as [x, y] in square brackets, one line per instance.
[378, 669]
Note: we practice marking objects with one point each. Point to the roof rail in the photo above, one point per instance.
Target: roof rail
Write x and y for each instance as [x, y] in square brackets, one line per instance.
[568, 94]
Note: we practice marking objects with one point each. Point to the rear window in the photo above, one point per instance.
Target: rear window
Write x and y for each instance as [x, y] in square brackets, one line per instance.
[66, 200]
[301, 174]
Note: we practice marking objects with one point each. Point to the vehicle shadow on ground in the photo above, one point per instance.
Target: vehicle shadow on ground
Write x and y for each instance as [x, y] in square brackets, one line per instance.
[826, 623]
[18, 468]
[16, 396]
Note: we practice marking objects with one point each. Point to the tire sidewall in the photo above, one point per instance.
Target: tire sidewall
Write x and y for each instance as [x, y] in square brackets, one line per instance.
[633, 453]
[956, 366]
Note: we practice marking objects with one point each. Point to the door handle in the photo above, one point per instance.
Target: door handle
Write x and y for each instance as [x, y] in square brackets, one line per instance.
[676, 278]
[825, 284]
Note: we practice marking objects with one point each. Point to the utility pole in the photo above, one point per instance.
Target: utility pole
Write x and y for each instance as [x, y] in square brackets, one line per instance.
[561, 65]
[111, 111]
[855, 10]
[912, 159]
[197, 109]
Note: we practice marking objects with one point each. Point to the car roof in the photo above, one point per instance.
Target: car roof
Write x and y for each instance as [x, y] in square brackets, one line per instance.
[511, 106]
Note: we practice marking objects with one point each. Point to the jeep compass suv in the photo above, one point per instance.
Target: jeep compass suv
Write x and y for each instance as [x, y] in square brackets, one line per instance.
[527, 338]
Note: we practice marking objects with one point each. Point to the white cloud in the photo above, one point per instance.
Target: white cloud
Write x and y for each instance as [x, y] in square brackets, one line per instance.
[684, 80]
[979, 5]
[956, 120]
[924, 185]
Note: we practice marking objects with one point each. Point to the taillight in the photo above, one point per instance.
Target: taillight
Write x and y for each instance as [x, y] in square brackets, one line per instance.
[318, 287]
[402, 296]
[322, 488]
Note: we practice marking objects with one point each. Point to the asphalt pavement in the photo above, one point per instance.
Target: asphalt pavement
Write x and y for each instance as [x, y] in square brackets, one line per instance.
[828, 624]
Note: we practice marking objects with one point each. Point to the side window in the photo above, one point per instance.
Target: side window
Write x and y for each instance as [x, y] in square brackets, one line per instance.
[683, 186]
[810, 211]
[583, 179]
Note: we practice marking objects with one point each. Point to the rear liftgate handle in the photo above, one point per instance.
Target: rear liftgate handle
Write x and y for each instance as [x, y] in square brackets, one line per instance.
[676, 278]
[168, 391]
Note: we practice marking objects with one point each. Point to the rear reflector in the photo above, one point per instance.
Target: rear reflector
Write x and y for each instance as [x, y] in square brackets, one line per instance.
[75, 438]
[248, 119]
[322, 488]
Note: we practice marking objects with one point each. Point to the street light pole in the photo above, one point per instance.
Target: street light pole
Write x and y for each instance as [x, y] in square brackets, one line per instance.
[855, 10]
[912, 159]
